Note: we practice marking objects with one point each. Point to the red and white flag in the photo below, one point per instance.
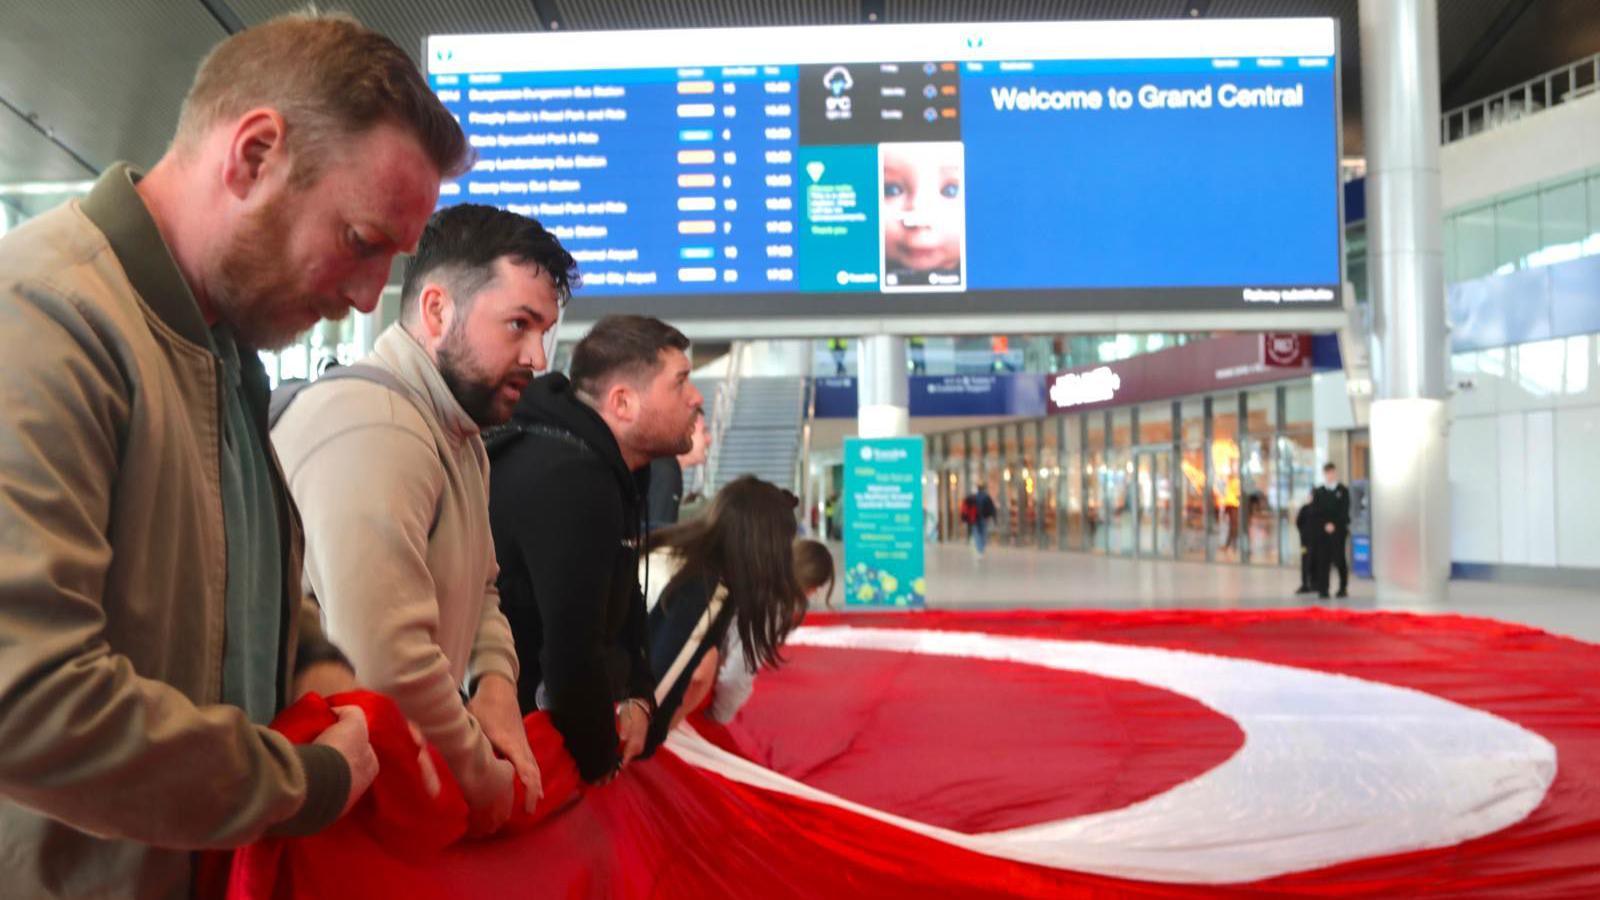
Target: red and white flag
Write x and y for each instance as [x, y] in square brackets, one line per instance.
[1093, 754]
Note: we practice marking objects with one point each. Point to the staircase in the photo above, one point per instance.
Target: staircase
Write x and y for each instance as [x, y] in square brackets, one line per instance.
[763, 436]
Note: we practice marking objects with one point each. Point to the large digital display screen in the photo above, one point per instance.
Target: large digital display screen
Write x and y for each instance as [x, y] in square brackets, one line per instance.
[888, 169]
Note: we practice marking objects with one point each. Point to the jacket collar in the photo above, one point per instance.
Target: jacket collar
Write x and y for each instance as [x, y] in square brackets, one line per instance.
[402, 354]
[552, 400]
[117, 210]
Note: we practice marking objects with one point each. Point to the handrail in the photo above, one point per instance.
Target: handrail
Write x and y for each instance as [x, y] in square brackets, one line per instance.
[722, 413]
[808, 408]
[1541, 92]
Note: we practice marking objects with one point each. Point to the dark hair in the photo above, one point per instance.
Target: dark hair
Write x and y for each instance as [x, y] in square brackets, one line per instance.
[330, 77]
[744, 542]
[621, 347]
[813, 567]
[1330, 467]
[461, 243]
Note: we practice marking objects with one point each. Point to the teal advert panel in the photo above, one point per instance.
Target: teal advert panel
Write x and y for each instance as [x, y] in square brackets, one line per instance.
[839, 218]
[883, 522]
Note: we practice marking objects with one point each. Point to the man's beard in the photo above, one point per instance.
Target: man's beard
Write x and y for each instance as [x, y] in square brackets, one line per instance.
[252, 287]
[476, 391]
[660, 441]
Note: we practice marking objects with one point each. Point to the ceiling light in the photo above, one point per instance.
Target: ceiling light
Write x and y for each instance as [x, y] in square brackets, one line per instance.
[44, 188]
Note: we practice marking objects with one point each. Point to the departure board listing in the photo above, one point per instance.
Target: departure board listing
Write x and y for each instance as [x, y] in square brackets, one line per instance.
[1105, 165]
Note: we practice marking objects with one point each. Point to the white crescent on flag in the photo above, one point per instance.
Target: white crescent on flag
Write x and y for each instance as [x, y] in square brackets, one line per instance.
[1306, 790]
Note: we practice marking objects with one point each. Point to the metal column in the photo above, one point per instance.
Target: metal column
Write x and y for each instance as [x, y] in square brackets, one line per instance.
[1410, 479]
[882, 387]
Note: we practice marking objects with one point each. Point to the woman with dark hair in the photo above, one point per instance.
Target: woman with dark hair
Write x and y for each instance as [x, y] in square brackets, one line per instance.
[736, 676]
[735, 584]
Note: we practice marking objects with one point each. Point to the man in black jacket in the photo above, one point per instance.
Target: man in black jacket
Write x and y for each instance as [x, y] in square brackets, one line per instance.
[1332, 503]
[567, 486]
[1309, 523]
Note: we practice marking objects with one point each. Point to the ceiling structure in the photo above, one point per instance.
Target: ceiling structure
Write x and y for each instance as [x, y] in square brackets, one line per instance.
[84, 83]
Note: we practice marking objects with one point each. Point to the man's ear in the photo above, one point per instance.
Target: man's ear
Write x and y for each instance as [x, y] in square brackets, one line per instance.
[622, 400]
[256, 153]
[435, 311]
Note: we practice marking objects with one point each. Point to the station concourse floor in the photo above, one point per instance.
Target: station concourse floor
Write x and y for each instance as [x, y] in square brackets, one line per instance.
[1025, 578]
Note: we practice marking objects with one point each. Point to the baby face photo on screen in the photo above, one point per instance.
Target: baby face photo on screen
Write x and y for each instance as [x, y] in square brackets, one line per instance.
[923, 213]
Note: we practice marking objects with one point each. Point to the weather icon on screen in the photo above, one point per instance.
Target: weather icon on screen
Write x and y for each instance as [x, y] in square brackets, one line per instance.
[837, 104]
[838, 81]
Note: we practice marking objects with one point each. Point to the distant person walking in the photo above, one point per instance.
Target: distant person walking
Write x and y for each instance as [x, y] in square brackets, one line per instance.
[978, 510]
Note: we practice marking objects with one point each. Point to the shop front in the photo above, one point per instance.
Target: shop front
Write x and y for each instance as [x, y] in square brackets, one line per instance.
[1202, 452]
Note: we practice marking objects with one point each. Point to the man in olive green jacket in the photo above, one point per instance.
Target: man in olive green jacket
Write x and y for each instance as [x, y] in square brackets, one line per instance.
[151, 619]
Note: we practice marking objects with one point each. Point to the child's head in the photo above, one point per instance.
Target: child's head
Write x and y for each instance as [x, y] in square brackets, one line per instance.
[813, 568]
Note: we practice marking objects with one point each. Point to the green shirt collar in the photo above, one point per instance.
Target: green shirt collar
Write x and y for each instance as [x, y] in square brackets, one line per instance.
[118, 211]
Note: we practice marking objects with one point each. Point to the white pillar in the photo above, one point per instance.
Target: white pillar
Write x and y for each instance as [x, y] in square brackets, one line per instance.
[1410, 479]
[882, 387]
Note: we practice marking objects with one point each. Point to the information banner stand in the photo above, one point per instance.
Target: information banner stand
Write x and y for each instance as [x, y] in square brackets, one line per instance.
[883, 564]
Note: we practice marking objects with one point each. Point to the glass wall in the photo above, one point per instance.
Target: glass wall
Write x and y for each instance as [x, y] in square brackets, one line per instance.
[1096, 516]
[1153, 473]
[1263, 495]
[1012, 503]
[1299, 470]
[1048, 493]
[1198, 510]
[1545, 223]
[1217, 477]
[953, 486]
[1119, 487]
[993, 476]
[1223, 541]
[1070, 484]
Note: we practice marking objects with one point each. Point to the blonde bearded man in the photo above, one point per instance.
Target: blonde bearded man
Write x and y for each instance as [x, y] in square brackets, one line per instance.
[151, 618]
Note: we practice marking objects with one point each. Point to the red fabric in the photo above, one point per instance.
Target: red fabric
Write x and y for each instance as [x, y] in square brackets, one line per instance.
[385, 845]
[664, 829]
[1017, 745]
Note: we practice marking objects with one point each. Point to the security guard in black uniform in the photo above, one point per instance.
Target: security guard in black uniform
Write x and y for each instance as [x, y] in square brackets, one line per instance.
[1331, 503]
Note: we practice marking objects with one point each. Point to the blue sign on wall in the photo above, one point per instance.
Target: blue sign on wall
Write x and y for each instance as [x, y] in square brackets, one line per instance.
[883, 563]
[1016, 394]
[1361, 555]
[836, 398]
[1020, 394]
[1537, 304]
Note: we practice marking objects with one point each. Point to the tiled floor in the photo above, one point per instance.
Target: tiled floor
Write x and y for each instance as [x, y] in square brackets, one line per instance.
[1010, 578]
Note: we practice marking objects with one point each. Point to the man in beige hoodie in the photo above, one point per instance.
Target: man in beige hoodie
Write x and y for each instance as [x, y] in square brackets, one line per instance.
[391, 478]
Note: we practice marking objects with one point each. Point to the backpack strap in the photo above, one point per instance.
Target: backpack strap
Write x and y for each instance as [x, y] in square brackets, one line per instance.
[505, 435]
[690, 647]
[278, 404]
[285, 394]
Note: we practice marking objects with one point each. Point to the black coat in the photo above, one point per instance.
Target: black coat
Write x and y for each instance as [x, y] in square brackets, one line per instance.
[1333, 505]
[1309, 523]
[567, 516]
[665, 494]
[672, 623]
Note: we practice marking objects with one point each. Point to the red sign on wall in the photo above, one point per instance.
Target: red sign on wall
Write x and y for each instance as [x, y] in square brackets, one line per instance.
[1220, 363]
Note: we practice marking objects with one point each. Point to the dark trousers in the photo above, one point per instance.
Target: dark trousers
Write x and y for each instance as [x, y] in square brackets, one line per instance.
[1308, 568]
[1330, 555]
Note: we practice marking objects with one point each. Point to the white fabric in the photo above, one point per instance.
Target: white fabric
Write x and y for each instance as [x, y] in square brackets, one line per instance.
[655, 570]
[736, 679]
[1333, 768]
